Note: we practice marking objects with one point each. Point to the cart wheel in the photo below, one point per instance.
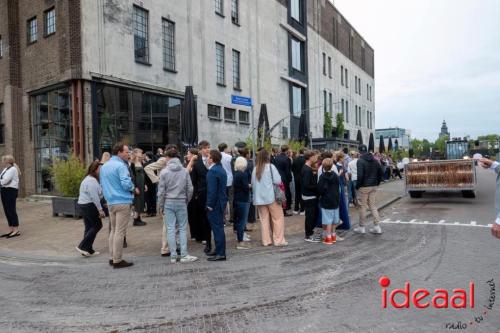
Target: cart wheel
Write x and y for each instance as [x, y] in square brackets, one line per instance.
[469, 194]
[416, 194]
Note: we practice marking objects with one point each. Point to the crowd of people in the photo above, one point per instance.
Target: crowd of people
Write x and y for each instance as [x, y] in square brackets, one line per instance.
[208, 189]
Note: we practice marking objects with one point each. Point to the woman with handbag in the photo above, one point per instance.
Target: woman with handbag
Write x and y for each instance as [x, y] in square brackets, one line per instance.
[268, 198]
[9, 179]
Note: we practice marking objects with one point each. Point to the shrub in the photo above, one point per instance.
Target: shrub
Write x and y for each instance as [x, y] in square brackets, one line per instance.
[68, 174]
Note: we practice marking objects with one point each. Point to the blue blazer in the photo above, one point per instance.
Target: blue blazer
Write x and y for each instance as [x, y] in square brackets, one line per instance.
[216, 187]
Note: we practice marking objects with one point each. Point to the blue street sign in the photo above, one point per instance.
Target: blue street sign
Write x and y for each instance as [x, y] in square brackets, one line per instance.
[241, 100]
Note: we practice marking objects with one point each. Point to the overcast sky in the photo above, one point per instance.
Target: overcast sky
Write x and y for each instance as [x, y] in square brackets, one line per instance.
[434, 60]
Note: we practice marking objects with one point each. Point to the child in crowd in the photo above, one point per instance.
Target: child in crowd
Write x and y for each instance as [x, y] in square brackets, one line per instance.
[329, 198]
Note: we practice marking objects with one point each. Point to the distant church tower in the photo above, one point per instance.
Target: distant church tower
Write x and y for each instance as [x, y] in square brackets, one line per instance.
[444, 130]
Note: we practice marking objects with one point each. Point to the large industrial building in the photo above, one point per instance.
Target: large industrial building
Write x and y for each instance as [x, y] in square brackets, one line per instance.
[77, 76]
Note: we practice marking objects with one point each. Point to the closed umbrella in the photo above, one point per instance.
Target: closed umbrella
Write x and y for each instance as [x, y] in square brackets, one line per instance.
[371, 143]
[263, 126]
[359, 137]
[189, 120]
[396, 145]
[381, 145]
[389, 145]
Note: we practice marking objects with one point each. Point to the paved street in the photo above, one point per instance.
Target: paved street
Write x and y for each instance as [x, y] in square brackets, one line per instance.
[302, 288]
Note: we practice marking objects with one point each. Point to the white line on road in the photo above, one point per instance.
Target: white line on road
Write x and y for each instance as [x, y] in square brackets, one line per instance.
[442, 222]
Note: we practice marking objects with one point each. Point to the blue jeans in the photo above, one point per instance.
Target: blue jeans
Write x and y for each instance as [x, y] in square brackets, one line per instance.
[240, 218]
[216, 220]
[351, 190]
[176, 213]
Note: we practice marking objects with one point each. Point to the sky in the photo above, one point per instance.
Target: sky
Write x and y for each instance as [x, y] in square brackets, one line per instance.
[434, 60]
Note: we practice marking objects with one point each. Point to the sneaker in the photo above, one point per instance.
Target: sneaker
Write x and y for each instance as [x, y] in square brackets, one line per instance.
[246, 237]
[302, 213]
[282, 244]
[376, 230]
[204, 242]
[95, 253]
[312, 239]
[242, 246]
[328, 240]
[360, 230]
[188, 258]
[339, 239]
[173, 260]
[82, 252]
[139, 223]
[296, 212]
[334, 238]
[123, 264]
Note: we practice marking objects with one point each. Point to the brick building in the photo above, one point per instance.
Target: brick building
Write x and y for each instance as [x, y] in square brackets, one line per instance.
[77, 76]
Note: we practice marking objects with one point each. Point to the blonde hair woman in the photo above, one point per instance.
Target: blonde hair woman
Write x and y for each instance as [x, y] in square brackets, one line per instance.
[9, 180]
[264, 177]
[138, 178]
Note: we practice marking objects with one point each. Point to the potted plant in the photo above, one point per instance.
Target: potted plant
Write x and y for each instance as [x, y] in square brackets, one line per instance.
[68, 174]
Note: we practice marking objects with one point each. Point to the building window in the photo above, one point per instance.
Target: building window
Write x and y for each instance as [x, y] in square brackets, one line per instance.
[230, 114]
[236, 70]
[346, 79]
[356, 84]
[324, 64]
[325, 101]
[213, 111]
[367, 92]
[235, 16]
[346, 111]
[343, 108]
[342, 75]
[141, 42]
[2, 125]
[331, 103]
[351, 46]
[168, 34]
[359, 86]
[244, 117]
[368, 119]
[330, 67]
[335, 33]
[219, 7]
[32, 30]
[50, 22]
[297, 100]
[296, 10]
[220, 64]
[297, 54]
[1, 47]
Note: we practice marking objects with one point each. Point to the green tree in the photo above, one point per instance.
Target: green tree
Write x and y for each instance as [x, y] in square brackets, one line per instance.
[68, 175]
[440, 144]
[328, 127]
[340, 125]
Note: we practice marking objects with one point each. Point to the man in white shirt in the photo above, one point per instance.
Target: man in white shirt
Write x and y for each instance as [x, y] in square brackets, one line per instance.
[352, 171]
[226, 164]
[489, 164]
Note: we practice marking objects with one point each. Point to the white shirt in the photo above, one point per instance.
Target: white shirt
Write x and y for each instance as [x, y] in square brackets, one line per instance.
[226, 164]
[352, 168]
[10, 177]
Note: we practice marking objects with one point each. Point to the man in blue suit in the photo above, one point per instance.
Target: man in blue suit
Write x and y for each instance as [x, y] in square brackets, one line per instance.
[216, 204]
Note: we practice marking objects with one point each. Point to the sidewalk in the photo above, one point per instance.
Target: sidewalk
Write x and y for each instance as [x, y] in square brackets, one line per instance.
[46, 237]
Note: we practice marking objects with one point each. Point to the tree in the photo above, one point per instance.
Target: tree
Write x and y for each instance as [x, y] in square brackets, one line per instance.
[340, 125]
[440, 144]
[328, 127]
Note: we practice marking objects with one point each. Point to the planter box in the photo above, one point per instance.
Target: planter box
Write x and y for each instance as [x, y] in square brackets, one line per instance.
[68, 207]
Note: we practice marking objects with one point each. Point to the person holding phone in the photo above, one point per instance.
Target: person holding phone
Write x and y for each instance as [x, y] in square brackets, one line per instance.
[489, 164]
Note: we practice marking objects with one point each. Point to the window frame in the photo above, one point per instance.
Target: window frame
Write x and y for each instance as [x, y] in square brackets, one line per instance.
[218, 65]
[166, 24]
[235, 13]
[219, 7]
[147, 56]
[346, 78]
[342, 75]
[330, 103]
[330, 67]
[233, 110]
[216, 107]
[236, 73]
[301, 93]
[240, 112]
[325, 101]
[29, 34]
[295, 41]
[324, 63]
[46, 23]
[300, 12]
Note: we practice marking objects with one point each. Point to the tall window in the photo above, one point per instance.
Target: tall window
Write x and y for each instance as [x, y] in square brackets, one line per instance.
[296, 10]
[220, 63]
[141, 38]
[50, 22]
[32, 30]
[367, 92]
[297, 54]
[219, 7]
[346, 79]
[297, 93]
[343, 108]
[325, 101]
[330, 67]
[342, 75]
[324, 63]
[346, 111]
[330, 104]
[168, 34]
[356, 84]
[359, 86]
[2, 125]
[244, 117]
[1, 47]
[230, 114]
[236, 70]
[235, 16]
[368, 119]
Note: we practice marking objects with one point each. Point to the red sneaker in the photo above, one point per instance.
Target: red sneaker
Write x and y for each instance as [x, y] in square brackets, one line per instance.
[334, 238]
[328, 240]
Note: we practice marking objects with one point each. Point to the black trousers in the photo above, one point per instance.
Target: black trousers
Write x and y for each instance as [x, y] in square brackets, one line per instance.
[202, 221]
[311, 207]
[299, 203]
[288, 196]
[194, 229]
[150, 197]
[93, 224]
[9, 198]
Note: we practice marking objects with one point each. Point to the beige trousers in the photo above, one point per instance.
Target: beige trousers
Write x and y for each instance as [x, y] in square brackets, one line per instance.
[366, 198]
[119, 216]
[164, 243]
[268, 214]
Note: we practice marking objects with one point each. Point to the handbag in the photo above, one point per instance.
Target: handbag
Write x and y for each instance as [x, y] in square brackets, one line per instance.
[279, 190]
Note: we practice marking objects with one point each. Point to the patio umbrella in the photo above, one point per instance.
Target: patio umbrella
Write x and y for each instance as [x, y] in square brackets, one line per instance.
[303, 131]
[371, 143]
[396, 145]
[263, 126]
[381, 145]
[189, 120]
[359, 137]
[389, 145]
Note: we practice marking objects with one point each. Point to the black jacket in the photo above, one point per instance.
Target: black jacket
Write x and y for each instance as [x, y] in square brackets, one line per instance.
[199, 179]
[297, 165]
[309, 182]
[284, 166]
[328, 190]
[241, 180]
[369, 171]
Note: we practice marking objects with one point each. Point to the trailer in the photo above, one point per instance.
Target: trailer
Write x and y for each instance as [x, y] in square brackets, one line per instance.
[441, 176]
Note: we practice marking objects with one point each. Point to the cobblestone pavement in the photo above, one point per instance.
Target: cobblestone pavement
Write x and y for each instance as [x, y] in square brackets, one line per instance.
[301, 288]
